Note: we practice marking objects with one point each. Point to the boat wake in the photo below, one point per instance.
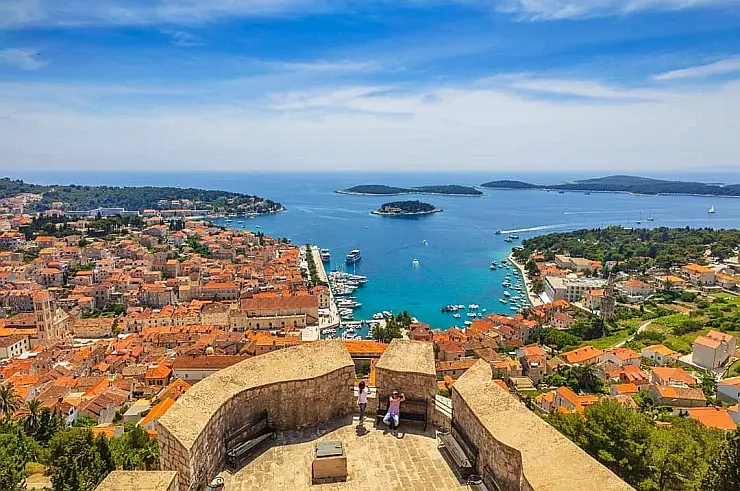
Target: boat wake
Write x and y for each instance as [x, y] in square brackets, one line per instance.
[535, 229]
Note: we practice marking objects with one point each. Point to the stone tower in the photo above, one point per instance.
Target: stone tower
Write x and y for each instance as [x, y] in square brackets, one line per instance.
[53, 327]
[608, 302]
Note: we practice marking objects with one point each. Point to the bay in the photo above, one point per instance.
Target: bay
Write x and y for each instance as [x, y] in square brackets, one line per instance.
[460, 242]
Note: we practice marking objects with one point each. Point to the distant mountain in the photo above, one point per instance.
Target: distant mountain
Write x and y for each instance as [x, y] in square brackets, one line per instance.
[382, 189]
[627, 184]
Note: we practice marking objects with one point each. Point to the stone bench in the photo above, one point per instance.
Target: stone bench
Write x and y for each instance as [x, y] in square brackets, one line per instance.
[257, 429]
[463, 453]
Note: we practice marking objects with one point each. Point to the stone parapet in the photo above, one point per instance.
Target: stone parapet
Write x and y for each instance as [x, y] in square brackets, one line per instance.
[523, 451]
[409, 367]
[139, 481]
[300, 386]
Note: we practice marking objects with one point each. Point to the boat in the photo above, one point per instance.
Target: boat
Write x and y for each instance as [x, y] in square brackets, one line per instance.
[415, 262]
[508, 239]
[468, 323]
[461, 307]
[513, 308]
[492, 267]
[473, 306]
[650, 219]
[711, 210]
[377, 316]
[506, 293]
[228, 220]
[638, 222]
[471, 314]
[387, 314]
[497, 232]
[513, 236]
[456, 316]
[353, 256]
[502, 300]
[257, 226]
[424, 242]
[325, 255]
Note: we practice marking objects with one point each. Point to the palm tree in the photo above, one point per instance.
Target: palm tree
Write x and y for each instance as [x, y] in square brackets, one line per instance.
[9, 401]
[32, 422]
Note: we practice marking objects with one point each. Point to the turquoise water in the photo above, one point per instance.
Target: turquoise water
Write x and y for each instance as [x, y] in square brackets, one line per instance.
[453, 267]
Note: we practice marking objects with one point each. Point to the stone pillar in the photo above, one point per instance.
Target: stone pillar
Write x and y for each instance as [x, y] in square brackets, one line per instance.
[408, 366]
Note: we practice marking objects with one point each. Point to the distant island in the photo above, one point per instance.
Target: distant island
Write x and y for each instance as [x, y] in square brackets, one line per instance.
[627, 184]
[406, 208]
[382, 189]
[75, 198]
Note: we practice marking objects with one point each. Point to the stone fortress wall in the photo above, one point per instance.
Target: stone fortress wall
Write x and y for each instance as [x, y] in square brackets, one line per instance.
[313, 383]
[301, 386]
[523, 451]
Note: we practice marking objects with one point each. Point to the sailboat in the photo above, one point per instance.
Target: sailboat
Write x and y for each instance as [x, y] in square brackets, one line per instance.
[711, 209]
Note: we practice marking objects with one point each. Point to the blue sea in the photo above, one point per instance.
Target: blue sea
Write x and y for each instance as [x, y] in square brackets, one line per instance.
[460, 242]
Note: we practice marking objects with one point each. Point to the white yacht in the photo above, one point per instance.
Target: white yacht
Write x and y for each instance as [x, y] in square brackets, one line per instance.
[325, 255]
[415, 262]
[353, 256]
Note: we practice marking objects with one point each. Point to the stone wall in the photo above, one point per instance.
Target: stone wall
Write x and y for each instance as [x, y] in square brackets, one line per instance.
[409, 367]
[522, 450]
[300, 386]
[139, 481]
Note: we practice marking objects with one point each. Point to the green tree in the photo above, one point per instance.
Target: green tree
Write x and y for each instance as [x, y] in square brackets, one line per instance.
[135, 450]
[32, 421]
[49, 424]
[723, 473]
[10, 402]
[84, 421]
[77, 460]
[16, 449]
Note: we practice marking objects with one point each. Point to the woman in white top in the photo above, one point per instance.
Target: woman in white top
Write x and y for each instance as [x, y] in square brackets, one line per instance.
[362, 399]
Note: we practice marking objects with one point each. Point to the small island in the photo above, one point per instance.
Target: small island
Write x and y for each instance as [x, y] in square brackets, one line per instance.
[383, 190]
[406, 208]
[626, 184]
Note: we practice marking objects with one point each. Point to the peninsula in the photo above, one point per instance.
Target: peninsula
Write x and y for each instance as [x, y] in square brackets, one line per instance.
[406, 208]
[627, 184]
[69, 198]
[383, 190]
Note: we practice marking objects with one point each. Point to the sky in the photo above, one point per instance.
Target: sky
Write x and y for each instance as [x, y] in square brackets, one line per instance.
[341, 85]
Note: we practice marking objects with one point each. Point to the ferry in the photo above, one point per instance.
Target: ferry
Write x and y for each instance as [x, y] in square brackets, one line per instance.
[325, 255]
[353, 256]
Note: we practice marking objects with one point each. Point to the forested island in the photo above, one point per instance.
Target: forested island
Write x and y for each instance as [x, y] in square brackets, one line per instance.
[382, 189]
[635, 249]
[76, 197]
[626, 184]
[406, 208]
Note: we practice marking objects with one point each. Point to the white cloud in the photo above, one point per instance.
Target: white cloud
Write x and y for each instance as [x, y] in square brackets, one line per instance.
[20, 13]
[722, 67]
[183, 38]
[327, 66]
[22, 58]
[575, 9]
[485, 127]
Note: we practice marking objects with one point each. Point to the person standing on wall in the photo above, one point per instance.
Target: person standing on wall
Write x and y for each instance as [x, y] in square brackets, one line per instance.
[362, 399]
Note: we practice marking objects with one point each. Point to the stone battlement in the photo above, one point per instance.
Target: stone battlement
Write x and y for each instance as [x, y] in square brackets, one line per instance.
[300, 386]
[523, 451]
[308, 393]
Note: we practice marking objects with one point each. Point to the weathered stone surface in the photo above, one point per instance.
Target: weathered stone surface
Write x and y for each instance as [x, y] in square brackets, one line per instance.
[300, 386]
[524, 451]
[139, 481]
[403, 355]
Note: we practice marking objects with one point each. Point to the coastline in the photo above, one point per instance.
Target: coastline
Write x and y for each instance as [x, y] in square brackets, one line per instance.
[414, 214]
[632, 193]
[534, 300]
[354, 193]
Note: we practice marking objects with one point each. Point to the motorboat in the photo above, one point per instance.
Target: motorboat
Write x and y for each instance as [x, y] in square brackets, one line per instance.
[456, 316]
[377, 316]
[508, 239]
[502, 300]
[325, 255]
[650, 219]
[415, 262]
[513, 236]
[497, 232]
[468, 323]
[473, 306]
[353, 256]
